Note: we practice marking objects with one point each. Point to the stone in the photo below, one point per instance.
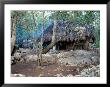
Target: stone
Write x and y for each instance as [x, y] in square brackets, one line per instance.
[17, 55]
[29, 58]
[78, 57]
[94, 71]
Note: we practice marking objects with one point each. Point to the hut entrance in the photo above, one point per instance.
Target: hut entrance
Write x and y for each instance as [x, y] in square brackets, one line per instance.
[61, 45]
[64, 45]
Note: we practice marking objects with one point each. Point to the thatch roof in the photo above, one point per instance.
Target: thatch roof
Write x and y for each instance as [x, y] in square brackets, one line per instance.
[68, 31]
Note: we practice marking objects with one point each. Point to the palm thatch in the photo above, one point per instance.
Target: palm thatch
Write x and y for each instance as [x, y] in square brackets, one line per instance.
[68, 31]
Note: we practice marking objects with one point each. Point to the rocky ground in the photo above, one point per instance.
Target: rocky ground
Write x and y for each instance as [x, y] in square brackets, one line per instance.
[78, 63]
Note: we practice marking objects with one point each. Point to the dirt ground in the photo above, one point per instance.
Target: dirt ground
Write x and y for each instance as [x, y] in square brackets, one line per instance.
[50, 70]
[56, 69]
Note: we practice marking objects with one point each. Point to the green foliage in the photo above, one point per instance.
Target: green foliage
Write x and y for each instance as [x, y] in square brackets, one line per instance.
[84, 17]
[32, 20]
[90, 18]
[27, 19]
[61, 15]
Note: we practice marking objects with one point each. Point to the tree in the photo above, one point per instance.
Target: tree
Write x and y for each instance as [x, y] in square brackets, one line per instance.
[58, 16]
[53, 42]
[96, 24]
[15, 19]
[24, 19]
[41, 42]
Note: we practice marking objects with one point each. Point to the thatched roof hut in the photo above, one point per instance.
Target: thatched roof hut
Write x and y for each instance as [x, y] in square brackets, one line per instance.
[69, 35]
[68, 31]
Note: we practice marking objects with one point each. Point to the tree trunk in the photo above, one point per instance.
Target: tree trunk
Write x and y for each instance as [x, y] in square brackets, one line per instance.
[53, 43]
[48, 47]
[86, 45]
[54, 47]
[13, 35]
[41, 43]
